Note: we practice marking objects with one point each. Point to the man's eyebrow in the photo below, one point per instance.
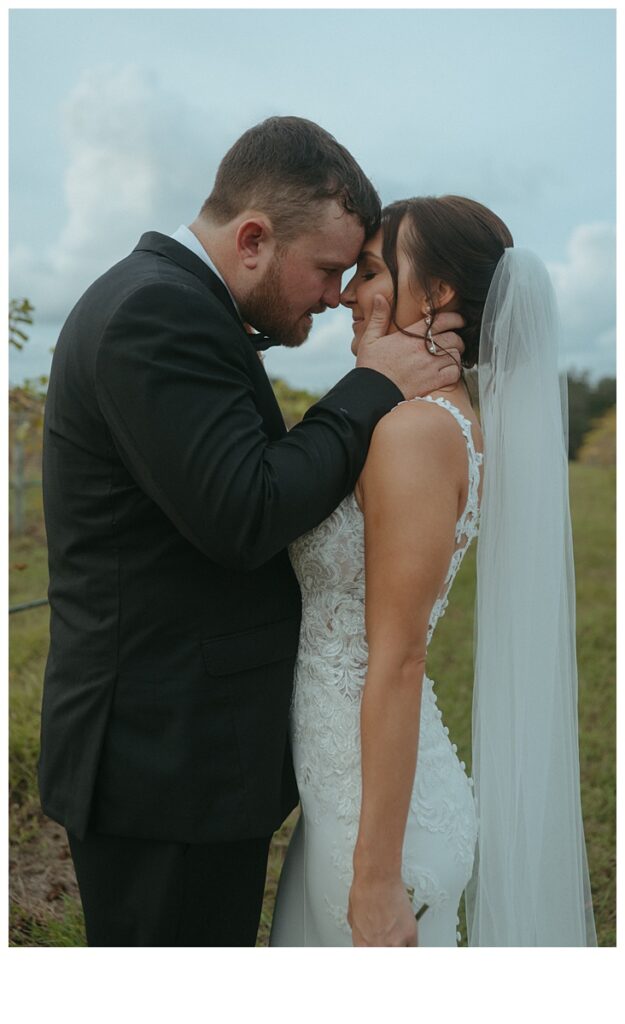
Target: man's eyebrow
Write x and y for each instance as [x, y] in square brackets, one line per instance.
[334, 264]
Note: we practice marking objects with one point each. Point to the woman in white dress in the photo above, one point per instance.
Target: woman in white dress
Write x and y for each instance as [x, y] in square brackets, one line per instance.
[389, 821]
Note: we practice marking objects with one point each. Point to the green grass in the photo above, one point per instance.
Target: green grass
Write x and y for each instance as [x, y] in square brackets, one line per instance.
[64, 927]
[450, 664]
[28, 579]
[45, 910]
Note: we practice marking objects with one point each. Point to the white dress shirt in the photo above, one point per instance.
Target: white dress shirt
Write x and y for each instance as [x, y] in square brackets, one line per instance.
[192, 242]
[186, 237]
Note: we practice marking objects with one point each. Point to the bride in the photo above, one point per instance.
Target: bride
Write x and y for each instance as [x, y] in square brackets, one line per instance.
[388, 834]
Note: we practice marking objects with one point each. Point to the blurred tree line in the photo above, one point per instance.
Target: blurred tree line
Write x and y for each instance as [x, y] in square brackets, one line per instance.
[588, 406]
[598, 446]
[592, 406]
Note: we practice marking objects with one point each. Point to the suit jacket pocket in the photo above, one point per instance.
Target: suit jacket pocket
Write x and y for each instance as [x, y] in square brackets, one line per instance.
[240, 652]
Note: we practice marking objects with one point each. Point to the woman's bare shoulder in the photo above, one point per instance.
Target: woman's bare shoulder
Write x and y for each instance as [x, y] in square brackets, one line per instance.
[411, 425]
[417, 446]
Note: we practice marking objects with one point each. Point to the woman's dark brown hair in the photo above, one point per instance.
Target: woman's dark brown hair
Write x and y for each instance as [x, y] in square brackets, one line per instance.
[455, 240]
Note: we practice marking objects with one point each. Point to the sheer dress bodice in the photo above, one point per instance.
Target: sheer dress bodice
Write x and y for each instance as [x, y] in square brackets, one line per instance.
[325, 721]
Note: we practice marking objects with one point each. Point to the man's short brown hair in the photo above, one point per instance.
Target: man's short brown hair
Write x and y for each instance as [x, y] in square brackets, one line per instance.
[283, 167]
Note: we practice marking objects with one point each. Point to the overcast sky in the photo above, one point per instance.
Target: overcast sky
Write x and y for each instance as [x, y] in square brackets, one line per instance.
[118, 120]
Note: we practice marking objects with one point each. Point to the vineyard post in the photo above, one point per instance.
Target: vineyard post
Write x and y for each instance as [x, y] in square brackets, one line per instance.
[18, 480]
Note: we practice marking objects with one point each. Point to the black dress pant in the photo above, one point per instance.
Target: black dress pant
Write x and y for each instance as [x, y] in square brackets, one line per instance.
[141, 892]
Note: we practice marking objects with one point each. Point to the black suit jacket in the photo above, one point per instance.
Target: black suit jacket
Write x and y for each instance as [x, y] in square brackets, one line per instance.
[171, 490]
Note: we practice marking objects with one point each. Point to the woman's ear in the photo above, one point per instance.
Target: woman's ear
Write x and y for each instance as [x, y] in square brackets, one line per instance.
[442, 295]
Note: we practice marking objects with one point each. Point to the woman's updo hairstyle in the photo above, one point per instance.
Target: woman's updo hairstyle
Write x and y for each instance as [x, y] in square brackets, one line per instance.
[452, 239]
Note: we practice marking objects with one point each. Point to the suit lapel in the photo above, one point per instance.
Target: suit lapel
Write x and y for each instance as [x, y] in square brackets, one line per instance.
[154, 241]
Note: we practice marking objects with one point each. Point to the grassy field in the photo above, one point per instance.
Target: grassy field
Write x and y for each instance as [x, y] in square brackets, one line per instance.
[45, 910]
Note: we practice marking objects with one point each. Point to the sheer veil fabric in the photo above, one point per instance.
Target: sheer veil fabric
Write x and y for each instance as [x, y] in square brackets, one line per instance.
[530, 885]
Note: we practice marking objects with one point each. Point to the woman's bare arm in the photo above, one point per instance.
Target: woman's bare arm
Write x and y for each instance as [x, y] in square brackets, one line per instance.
[410, 490]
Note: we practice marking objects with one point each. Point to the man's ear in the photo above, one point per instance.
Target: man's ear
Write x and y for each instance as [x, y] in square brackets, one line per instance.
[254, 240]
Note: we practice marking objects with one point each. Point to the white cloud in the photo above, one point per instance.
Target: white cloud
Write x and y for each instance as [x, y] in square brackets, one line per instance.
[139, 159]
[136, 160]
[585, 283]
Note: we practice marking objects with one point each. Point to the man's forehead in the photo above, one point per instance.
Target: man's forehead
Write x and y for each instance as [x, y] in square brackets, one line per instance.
[337, 238]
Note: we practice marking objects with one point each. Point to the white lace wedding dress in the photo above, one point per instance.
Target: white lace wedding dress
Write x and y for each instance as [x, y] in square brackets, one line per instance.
[441, 831]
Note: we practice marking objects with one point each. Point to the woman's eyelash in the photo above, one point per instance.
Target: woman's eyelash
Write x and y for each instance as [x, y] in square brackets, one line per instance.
[368, 276]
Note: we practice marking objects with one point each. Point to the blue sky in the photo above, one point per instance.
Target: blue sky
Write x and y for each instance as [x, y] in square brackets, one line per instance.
[118, 120]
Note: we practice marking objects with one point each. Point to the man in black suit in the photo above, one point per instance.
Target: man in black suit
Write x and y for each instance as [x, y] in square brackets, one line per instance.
[171, 491]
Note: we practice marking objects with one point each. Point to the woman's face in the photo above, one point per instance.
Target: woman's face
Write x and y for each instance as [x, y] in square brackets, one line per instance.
[373, 278]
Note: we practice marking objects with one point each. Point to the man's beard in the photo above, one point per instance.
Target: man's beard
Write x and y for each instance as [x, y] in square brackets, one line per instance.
[265, 310]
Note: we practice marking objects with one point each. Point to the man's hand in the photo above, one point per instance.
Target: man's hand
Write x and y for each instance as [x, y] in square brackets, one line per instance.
[406, 360]
[380, 914]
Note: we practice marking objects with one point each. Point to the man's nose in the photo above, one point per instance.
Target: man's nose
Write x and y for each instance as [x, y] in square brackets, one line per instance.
[332, 294]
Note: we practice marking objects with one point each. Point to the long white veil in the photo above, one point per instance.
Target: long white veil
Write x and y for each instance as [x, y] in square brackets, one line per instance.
[530, 885]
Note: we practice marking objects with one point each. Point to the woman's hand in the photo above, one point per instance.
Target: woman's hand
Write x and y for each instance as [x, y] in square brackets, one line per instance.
[380, 914]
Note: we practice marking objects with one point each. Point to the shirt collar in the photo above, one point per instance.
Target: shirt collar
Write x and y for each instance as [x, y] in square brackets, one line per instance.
[186, 237]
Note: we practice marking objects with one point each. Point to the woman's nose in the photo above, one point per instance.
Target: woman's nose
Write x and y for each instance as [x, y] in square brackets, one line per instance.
[347, 296]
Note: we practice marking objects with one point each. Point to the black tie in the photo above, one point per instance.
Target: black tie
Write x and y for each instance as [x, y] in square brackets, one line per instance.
[262, 342]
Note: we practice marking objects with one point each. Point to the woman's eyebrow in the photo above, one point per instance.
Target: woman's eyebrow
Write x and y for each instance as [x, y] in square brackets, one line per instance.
[367, 254]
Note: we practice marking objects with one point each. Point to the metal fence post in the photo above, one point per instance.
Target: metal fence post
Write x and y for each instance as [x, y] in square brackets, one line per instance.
[18, 485]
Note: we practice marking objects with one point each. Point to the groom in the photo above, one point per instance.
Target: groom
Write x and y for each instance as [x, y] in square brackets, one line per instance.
[171, 491]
